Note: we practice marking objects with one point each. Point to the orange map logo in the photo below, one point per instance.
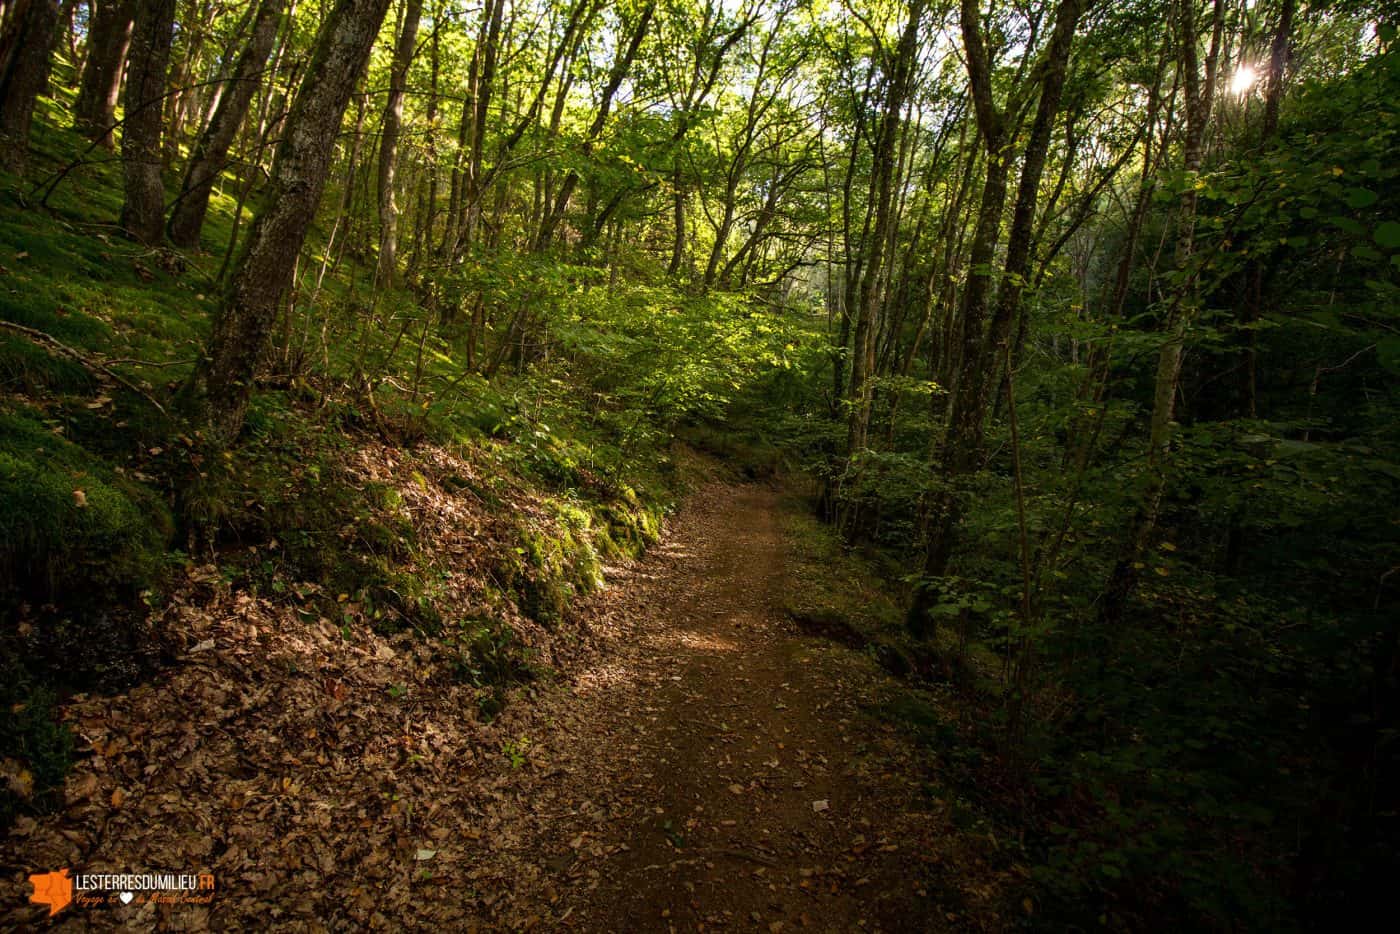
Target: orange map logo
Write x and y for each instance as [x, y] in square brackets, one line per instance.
[54, 889]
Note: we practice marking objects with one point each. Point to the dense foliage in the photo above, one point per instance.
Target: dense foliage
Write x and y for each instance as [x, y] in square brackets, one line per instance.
[1083, 316]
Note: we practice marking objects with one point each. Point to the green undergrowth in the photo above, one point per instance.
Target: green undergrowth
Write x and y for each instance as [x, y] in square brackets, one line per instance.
[856, 596]
[73, 527]
[564, 558]
[748, 454]
[105, 500]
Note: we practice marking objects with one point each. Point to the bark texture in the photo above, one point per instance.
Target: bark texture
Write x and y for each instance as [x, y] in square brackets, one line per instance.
[210, 155]
[389, 142]
[94, 112]
[217, 395]
[25, 56]
[143, 212]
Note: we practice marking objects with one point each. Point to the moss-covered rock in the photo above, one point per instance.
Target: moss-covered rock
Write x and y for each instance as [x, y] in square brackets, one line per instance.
[561, 557]
[69, 522]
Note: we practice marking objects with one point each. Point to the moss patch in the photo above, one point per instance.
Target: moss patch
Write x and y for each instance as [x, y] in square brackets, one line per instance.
[70, 524]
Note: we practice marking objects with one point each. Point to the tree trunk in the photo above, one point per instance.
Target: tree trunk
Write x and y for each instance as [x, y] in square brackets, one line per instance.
[218, 392]
[1280, 50]
[868, 301]
[143, 213]
[962, 450]
[1279, 54]
[1199, 97]
[679, 230]
[25, 57]
[68, 31]
[464, 203]
[621, 66]
[966, 370]
[109, 36]
[211, 153]
[1016, 270]
[426, 220]
[965, 420]
[389, 142]
[188, 50]
[702, 82]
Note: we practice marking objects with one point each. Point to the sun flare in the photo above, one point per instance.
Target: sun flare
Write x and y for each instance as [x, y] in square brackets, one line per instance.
[1244, 78]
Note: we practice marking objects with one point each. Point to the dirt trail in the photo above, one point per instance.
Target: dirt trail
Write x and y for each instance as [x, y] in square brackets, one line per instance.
[732, 776]
[701, 764]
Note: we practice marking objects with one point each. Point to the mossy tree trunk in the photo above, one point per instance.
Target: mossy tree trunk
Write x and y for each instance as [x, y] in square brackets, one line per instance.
[25, 54]
[211, 153]
[218, 392]
[389, 142]
[109, 36]
[143, 212]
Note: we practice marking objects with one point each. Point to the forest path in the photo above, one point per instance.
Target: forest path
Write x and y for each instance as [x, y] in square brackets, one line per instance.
[699, 764]
[719, 769]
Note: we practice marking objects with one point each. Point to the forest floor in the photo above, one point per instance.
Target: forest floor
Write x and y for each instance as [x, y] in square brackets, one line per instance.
[706, 766]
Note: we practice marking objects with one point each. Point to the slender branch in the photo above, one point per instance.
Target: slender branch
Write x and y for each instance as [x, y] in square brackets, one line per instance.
[52, 343]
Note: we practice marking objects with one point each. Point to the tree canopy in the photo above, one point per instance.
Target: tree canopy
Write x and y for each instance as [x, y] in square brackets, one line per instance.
[1085, 316]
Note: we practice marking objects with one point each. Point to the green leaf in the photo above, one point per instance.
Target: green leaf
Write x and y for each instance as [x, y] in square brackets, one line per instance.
[1347, 224]
[1388, 234]
[1388, 350]
[1361, 198]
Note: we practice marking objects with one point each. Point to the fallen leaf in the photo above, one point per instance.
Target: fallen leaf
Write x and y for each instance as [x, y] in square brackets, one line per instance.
[423, 855]
[82, 788]
[19, 779]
